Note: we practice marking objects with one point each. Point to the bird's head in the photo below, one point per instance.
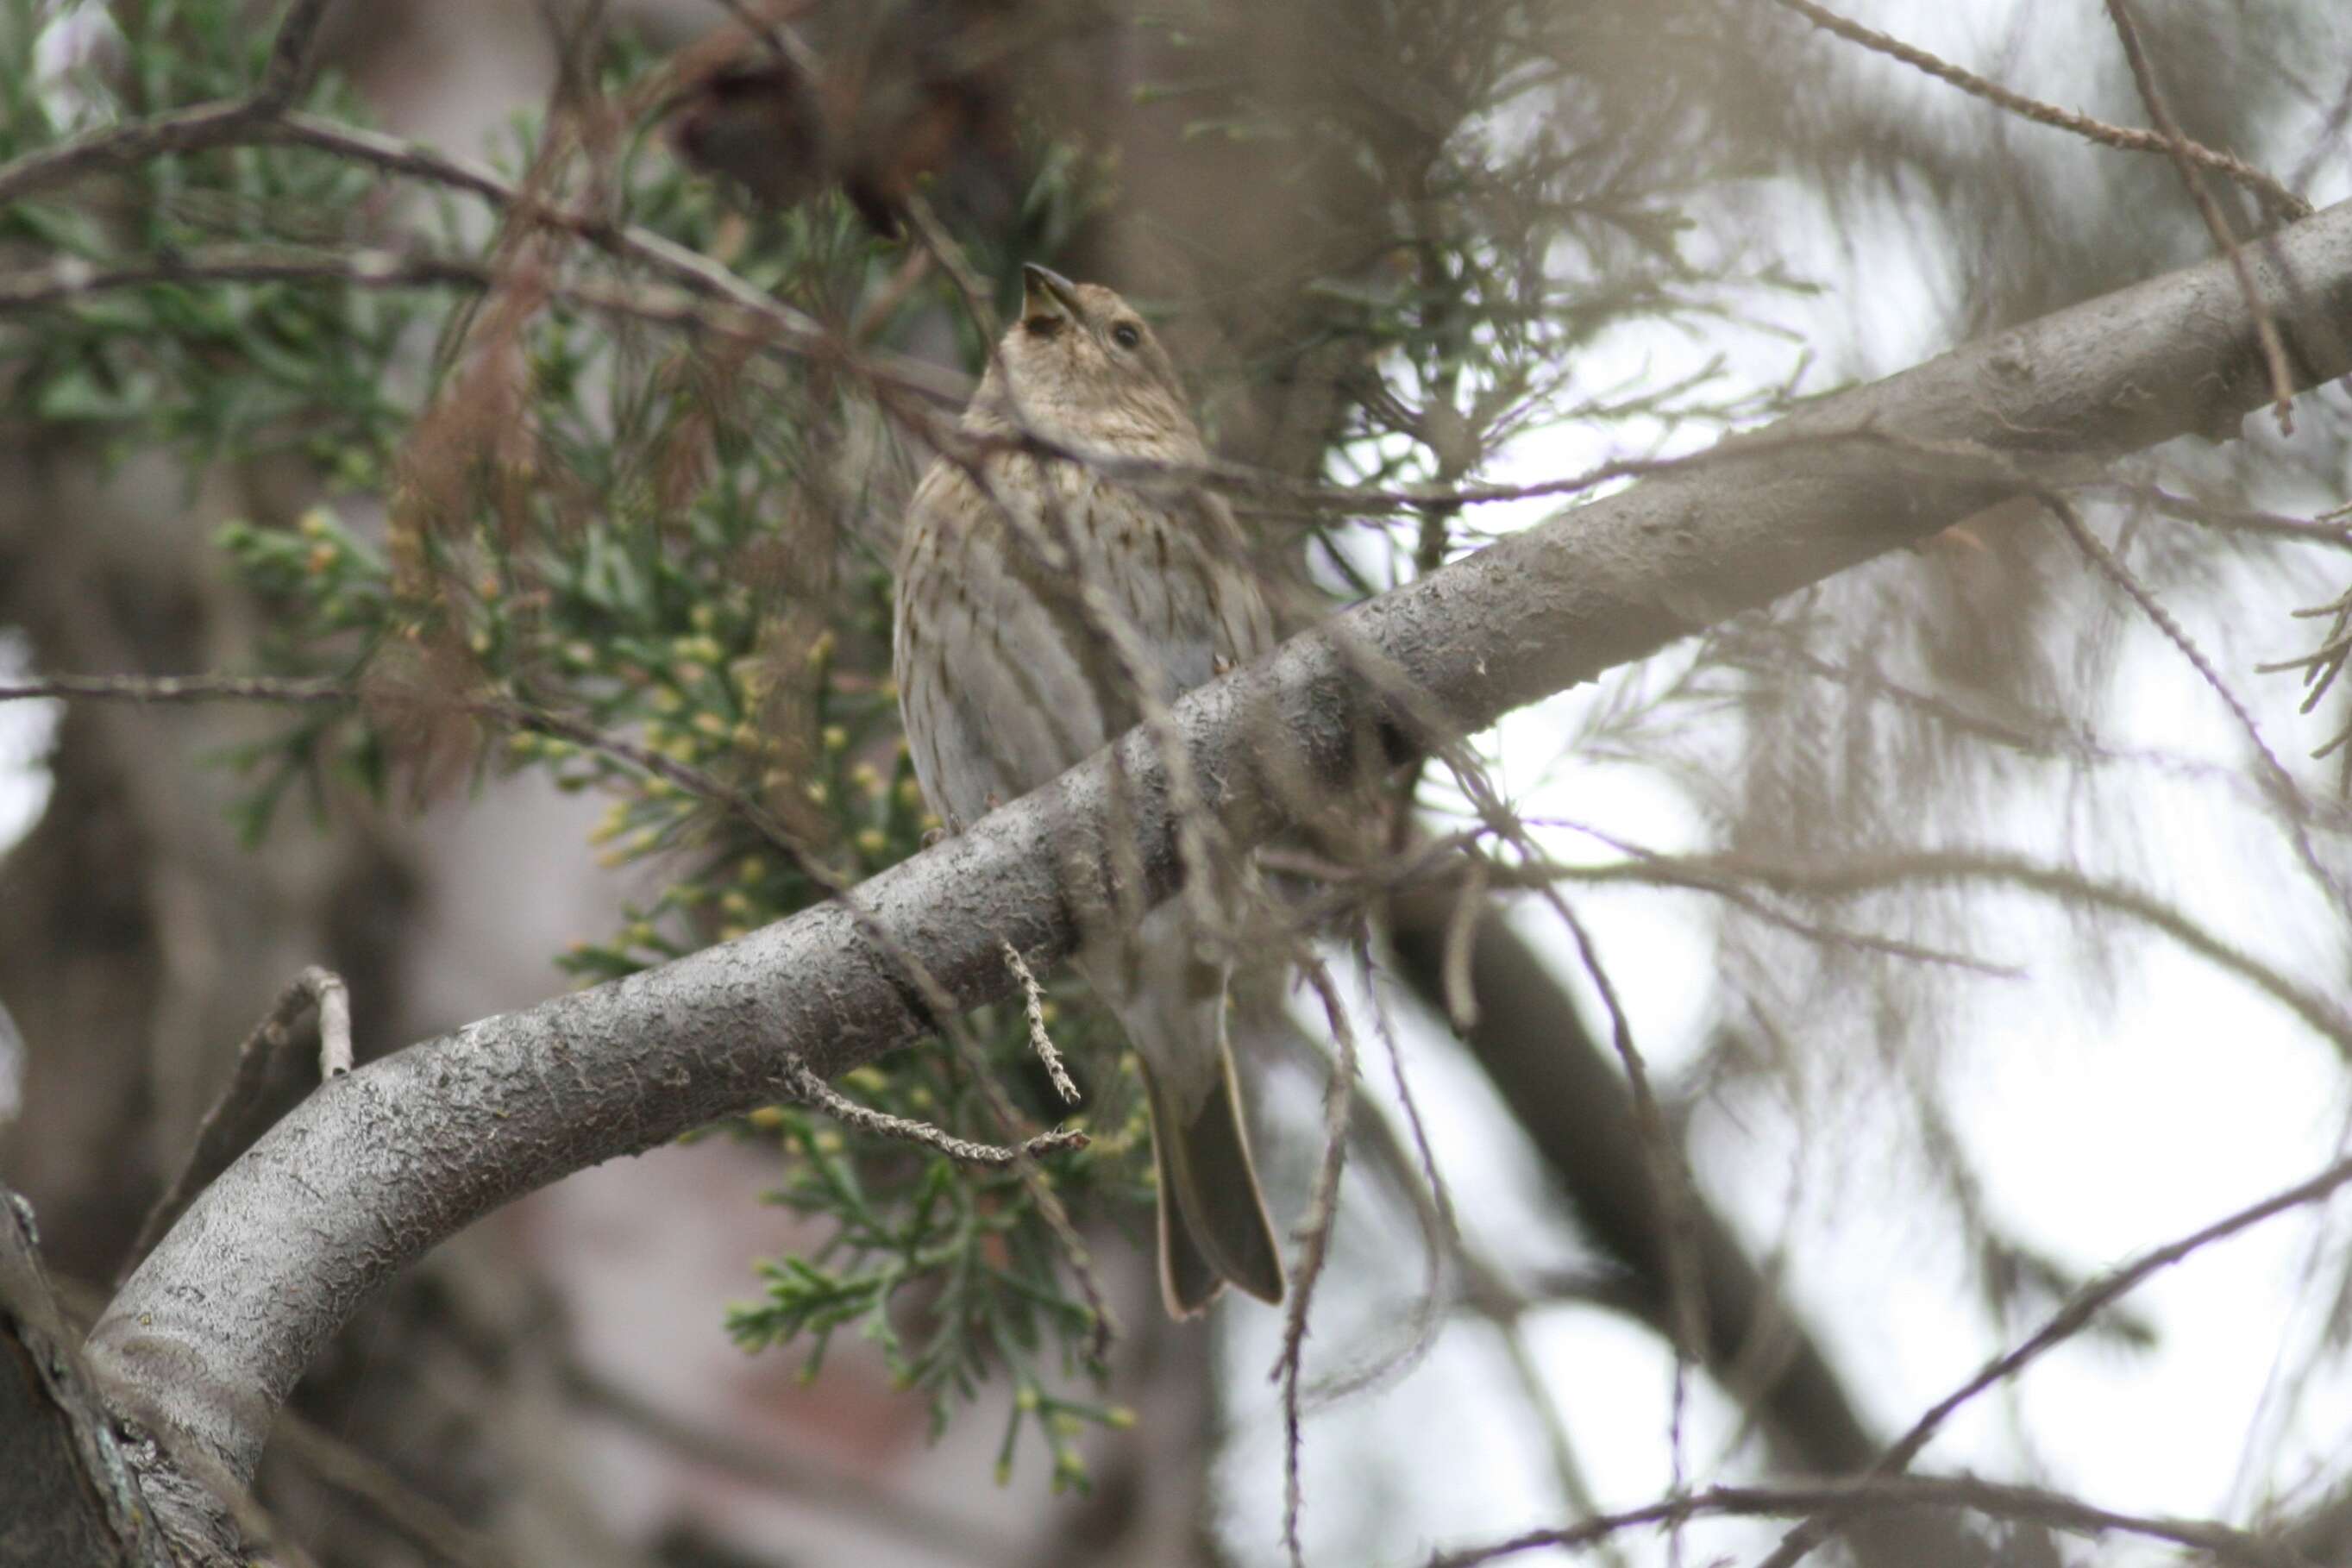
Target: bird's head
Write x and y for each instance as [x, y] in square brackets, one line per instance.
[1081, 365]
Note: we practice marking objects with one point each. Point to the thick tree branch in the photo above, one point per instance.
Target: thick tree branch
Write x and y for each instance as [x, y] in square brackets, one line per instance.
[215, 1328]
[66, 1489]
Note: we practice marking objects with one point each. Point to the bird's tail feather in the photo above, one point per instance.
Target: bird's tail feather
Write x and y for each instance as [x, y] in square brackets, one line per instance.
[1213, 1221]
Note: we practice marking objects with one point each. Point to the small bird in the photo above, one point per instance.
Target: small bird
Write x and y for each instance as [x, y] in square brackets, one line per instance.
[1004, 682]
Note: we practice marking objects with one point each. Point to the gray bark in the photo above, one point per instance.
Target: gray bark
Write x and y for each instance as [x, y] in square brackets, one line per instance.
[213, 1330]
[66, 1495]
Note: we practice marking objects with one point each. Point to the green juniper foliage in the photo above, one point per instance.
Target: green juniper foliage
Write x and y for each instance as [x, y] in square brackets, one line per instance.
[207, 370]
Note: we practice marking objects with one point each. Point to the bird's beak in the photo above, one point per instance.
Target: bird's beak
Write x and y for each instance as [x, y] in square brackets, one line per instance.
[1042, 289]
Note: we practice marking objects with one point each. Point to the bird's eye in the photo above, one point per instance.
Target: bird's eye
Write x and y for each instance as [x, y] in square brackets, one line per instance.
[1126, 334]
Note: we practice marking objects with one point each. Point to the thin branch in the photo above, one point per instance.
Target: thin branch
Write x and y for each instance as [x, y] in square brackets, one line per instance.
[940, 245]
[2329, 140]
[1314, 1246]
[377, 1488]
[1906, 1494]
[1377, 1138]
[2233, 518]
[1033, 1001]
[768, 329]
[2096, 1297]
[2069, 1320]
[178, 689]
[1445, 1221]
[180, 130]
[244, 123]
[1867, 873]
[2050, 736]
[690, 269]
[289, 69]
[1685, 1310]
[2112, 567]
[118, 146]
[1568, 1474]
[814, 1091]
[2179, 146]
[904, 1512]
[1675, 871]
[2284, 202]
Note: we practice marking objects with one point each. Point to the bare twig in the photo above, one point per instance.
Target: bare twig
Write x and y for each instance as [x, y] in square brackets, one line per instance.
[1685, 1308]
[179, 688]
[2063, 1324]
[1680, 872]
[1460, 931]
[180, 130]
[1315, 1244]
[2176, 144]
[118, 146]
[2047, 735]
[2280, 780]
[2234, 519]
[1448, 1226]
[1905, 1494]
[377, 1488]
[903, 1510]
[2098, 1294]
[814, 1090]
[2329, 140]
[1669, 1173]
[2282, 201]
[1390, 1155]
[1866, 873]
[933, 237]
[290, 67]
[1033, 1001]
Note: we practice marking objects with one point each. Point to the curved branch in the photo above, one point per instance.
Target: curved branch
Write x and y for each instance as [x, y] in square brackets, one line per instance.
[213, 1330]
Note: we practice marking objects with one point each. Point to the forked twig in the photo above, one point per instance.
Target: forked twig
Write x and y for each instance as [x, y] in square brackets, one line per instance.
[814, 1091]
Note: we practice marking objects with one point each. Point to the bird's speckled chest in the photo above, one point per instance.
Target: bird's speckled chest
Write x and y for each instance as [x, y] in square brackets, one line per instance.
[1031, 616]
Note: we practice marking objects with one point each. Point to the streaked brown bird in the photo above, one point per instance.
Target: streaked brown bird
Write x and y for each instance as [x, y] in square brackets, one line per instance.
[1004, 681]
